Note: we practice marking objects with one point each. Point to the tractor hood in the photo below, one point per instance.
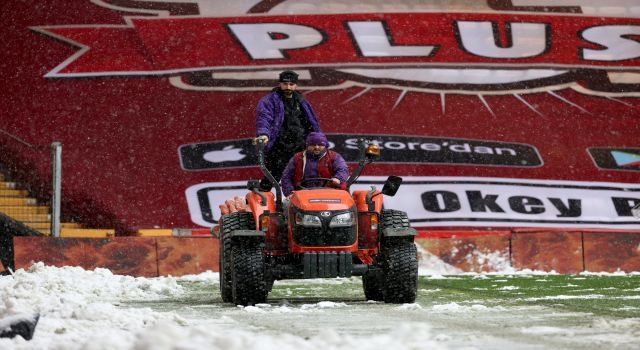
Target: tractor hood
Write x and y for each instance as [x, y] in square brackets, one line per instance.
[322, 199]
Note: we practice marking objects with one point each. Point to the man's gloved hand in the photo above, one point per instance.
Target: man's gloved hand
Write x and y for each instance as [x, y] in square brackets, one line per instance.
[262, 138]
[336, 183]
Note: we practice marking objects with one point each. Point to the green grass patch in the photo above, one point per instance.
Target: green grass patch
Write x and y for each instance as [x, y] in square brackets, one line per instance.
[617, 296]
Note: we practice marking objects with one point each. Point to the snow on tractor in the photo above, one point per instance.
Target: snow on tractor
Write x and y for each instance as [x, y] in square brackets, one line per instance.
[325, 233]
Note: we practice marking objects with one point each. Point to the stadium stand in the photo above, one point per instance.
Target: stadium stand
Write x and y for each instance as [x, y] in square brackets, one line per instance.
[16, 204]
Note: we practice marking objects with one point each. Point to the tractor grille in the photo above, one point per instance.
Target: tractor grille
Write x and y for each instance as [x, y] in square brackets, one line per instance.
[322, 237]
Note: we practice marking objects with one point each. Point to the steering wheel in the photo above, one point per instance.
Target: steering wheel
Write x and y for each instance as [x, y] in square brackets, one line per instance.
[324, 180]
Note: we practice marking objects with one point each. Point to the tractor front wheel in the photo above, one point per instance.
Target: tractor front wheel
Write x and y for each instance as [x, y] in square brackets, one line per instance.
[230, 222]
[373, 285]
[249, 285]
[400, 260]
[400, 271]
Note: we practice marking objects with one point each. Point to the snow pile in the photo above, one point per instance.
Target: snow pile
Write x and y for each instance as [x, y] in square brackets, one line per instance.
[429, 264]
[616, 273]
[493, 261]
[76, 306]
[410, 307]
[88, 310]
[46, 289]
[496, 261]
[98, 310]
[323, 305]
[207, 276]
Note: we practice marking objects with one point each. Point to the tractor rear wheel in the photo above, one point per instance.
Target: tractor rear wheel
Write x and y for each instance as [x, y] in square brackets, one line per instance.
[249, 286]
[400, 261]
[230, 222]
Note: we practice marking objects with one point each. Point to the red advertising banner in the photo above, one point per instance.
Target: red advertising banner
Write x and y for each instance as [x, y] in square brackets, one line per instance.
[168, 45]
[497, 113]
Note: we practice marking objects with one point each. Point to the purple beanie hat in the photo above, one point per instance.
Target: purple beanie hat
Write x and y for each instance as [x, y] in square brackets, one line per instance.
[317, 138]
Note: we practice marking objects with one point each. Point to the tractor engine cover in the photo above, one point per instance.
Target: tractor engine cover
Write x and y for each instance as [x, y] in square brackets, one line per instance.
[323, 219]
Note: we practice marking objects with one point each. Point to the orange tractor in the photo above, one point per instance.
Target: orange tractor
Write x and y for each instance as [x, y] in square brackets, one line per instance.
[322, 233]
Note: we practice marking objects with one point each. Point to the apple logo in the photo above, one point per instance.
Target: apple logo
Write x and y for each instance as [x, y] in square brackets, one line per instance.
[227, 154]
[636, 211]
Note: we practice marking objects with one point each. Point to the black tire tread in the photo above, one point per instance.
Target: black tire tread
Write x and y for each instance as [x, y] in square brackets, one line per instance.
[401, 272]
[393, 218]
[230, 222]
[373, 285]
[249, 284]
[400, 262]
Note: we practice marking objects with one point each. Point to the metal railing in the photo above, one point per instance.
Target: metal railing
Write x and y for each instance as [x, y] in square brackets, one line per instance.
[56, 187]
[26, 181]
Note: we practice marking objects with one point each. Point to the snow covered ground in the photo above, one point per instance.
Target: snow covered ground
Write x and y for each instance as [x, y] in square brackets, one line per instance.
[98, 310]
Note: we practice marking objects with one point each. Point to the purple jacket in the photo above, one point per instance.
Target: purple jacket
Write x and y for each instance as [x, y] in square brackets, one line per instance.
[310, 165]
[270, 116]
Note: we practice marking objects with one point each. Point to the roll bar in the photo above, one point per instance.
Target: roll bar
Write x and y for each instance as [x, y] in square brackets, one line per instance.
[260, 144]
[367, 153]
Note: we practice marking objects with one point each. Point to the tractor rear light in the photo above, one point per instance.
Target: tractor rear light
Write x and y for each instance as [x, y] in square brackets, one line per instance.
[374, 222]
[342, 220]
[264, 223]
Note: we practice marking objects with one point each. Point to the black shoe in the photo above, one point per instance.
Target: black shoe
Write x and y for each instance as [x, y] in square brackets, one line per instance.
[21, 325]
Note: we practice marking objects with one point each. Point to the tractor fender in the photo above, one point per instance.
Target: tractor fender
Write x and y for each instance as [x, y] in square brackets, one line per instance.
[238, 234]
[390, 232]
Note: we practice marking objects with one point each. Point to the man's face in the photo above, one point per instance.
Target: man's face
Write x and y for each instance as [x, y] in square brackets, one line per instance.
[316, 150]
[288, 88]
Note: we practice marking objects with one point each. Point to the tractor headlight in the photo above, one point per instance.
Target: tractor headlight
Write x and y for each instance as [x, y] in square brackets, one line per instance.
[308, 220]
[342, 220]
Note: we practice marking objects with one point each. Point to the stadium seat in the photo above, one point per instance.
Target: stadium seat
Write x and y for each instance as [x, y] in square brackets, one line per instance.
[16, 204]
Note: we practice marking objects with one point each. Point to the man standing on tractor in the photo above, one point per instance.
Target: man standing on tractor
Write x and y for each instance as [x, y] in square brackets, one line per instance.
[315, 167]
[283, 121]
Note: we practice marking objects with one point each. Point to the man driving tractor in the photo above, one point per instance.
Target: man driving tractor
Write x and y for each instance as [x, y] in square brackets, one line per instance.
[316, 166]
